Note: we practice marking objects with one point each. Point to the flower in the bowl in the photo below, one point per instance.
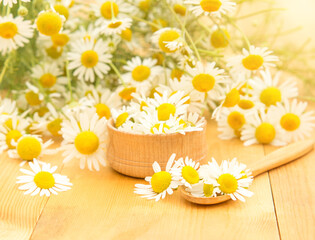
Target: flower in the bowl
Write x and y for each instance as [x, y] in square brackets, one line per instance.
[161, 182]
[204, 188]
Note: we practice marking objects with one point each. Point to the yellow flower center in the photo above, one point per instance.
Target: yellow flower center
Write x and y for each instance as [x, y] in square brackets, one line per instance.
[270, 96]
[145, 5]
[160, 22]
[160, 181]
[12, 135]
[208, 189]
[8, 123]
[237, 133]
[29, 148]
[203, 82]
[49, 23]
[54, 127]
[60, 39]
[42, 111]
[165, 110]
[290, 122]
[32, 98]
[142, 105]
[228, 183]
[253, 62]
[220, 38]
[244, 89]
[47, 80]
[62, 10]
[246, 104]
[236, 120]
[210, 5]
[179, 9]
[114, 24]
[126, 34]
[157, 126]
[190, 174]
[165, 37]
[141, 73]
[232, 98]
[108, 8]
[102, 110]
[8, 30]
[121, 119]
[177, 73]
[86, 142]
[89, 58]
[44, 180]
[265, 133]
[54, 52]
[126, 93]
[159, 58]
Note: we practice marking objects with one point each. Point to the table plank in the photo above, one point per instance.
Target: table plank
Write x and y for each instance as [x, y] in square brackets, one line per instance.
[102, 205]
[294, 196]
[18, 212]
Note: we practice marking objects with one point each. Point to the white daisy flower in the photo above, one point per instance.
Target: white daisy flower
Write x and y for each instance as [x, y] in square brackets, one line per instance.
[210, 7]
[7, 108]
[179, 7]
[29, 147]
[262, 128]
[192, 122]
[293, 119]
[104, 101]
[50, 76]
[232, 121]
[141, 70]
[205, 80]
[169, 40]
[126, 92]
[204, 188]
[123, 115]
[161, 182]
[84, 139]
[42, 180]
[14, 32]
[169, 105]
[116, 26]
[187, 171]
[10, 132]
[10, 3]
[250, 61]
[88, 33]
[269, 91]
[89, 57]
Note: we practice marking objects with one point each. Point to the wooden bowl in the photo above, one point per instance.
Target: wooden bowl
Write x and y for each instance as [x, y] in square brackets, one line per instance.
[134, 154]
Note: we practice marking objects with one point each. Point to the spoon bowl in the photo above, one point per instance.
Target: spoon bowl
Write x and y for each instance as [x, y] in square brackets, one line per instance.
[273, 160]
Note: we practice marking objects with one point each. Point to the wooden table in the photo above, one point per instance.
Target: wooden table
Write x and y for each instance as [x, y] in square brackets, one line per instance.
[102, 205]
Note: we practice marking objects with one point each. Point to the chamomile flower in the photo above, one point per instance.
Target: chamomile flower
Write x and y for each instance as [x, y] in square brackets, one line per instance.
[11, 131]
[205, 80]
[210, 7]
[91, 32]
[231, 122]
[169, 40]
[179, 7]
[161, 182]
[42, 180]
[122, 116]
[168, 105]
[204, 188]
[29, 147]
[10, 3]
[192, 122]
[263, 128]
[49, 22]
[104, 101]
[7, 108]
[270, 91]
[187, 171]
[293, 119]
[49, 76]
[250, 61]
[84, 139]
[89, 58]
[125, 92]
[116, 26]
[15, 32]
[32, 96]
[141, 70]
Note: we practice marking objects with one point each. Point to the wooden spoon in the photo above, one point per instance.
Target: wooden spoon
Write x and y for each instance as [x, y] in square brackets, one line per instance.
[273, 160]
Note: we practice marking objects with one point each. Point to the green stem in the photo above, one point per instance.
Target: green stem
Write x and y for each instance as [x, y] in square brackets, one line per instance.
[69, 80]
[185, 31]
[243, 34]
[145, 21]
[117, 73]
[6, 64]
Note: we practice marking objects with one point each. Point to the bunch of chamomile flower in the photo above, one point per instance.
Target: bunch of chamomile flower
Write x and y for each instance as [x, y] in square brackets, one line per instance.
[210, 180]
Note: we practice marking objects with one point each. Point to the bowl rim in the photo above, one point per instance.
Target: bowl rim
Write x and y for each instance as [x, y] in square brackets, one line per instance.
[110, 125]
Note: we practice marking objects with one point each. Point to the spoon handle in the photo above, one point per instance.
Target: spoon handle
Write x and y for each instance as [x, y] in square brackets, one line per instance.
[282, 156]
